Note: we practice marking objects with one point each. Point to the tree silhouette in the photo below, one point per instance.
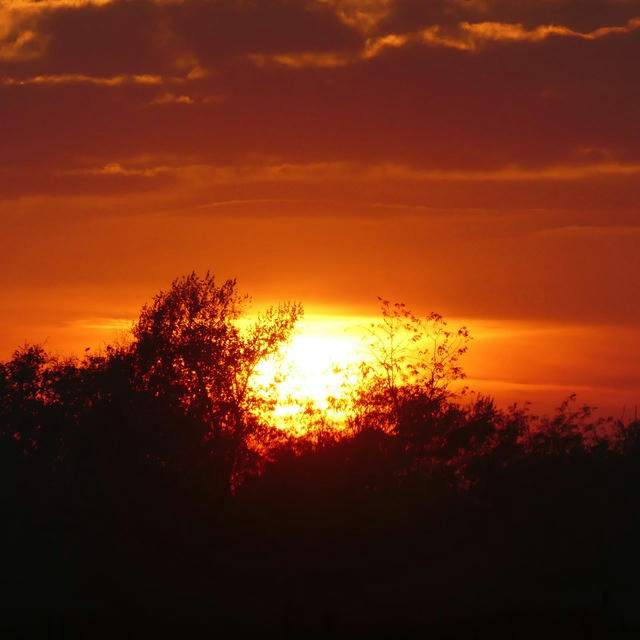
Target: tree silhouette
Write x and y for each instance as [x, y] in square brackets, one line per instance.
[144, 488]
[26, 394]
[191, 351]
[413, 363]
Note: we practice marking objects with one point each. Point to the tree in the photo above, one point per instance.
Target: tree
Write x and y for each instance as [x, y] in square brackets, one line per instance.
[23, 398]
[192, 351]
[413, 363]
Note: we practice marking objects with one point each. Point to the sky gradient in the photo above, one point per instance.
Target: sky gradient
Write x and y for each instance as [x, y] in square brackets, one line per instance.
[479, 158]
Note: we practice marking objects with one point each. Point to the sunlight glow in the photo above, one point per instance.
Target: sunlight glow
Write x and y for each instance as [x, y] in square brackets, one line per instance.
[317, 362]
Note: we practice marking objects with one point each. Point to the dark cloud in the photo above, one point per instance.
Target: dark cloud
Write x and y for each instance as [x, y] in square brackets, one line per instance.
[560, 101]
[537, 104]
[142, 36]
[217, 30]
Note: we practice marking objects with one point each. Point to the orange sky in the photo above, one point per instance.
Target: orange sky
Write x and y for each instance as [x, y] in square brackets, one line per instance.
[480, 158]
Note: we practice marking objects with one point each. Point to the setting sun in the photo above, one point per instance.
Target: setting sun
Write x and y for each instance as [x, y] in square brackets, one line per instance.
[319, 318]
[316, 363]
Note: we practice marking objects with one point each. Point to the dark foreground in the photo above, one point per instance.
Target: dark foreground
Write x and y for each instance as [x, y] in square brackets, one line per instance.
[144, 494]
[547, 546]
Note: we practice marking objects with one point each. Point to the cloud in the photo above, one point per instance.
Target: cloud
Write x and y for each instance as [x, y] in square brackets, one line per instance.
[172, 98]
[105, 38]
[48, 5]
[513, 174]
[471, 36]
[304, 59]
[584, 16]
[117, 169]
[25, 46]
[93, 37]
[323, 172]
[333, 189]
[374, 46]
[19, 38]
[183, 99]
[363, 15]
[591, 231]
[482, 90]
[466, 36]
[79, 78]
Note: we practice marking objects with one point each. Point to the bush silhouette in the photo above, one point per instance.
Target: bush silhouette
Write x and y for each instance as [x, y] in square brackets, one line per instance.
[146, 491]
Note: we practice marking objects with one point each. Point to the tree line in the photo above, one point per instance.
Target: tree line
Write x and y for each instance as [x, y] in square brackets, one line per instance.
[155, 468]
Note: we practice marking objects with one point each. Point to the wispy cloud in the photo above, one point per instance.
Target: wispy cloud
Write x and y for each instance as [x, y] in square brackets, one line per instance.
[305, 59]
[117, 169]
[40, 5]
[470, 36]
[591, 231]
[166, 99]
[24, 45]
[78, 78]
[20, 38]
[172, 98]
[466, 36]
[346, 171]
[513, 174]
[360, 14]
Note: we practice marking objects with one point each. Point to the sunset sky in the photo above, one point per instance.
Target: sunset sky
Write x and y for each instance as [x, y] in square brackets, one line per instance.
[479, 158]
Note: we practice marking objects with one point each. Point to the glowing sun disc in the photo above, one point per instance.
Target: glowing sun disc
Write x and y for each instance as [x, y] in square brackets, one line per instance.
[314, 365]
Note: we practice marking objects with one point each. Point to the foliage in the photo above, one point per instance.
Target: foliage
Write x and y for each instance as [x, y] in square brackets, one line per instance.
[116, 473]
[191, 350]
[414, 361]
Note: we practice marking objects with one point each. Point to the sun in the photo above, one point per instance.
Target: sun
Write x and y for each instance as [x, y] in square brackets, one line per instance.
[315, 365]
